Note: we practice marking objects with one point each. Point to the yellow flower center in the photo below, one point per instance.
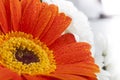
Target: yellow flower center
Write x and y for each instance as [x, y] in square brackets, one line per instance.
[23, 54]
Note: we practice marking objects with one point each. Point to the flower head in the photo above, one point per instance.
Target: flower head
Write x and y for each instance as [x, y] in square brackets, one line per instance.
[32, 46]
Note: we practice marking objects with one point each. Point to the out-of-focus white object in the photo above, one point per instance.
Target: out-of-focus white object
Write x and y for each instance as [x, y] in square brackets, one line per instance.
[104, 75]
[110, 28]
[100, 52]
[111, 7]
[92, 8]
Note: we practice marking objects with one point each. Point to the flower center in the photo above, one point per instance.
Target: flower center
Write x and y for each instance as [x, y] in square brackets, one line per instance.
[26, 56]
[21, 53]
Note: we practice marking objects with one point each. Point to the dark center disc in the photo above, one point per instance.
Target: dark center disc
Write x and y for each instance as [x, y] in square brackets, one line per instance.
[26, 56]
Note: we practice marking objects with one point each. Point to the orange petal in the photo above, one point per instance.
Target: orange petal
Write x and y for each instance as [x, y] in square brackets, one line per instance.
[28, 77]
[1, 67]
[68, 77]
[47, 77]
[72, 53]
[62, 41]
[8, 14]
[73, 70]
[42, 21]
[24, 4]
[59, 24]
[1, 31]
[6, 74]
[54, 10]
[89, 59]
[89, 78]
[81, 68]
[3, 18]
[90, 66]
[30, 16]
[15, 8]
[38, 77]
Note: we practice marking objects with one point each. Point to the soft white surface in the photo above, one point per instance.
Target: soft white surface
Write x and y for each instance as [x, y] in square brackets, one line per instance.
[104, 75]
[111, 7]
[110, 30]
[92, 8]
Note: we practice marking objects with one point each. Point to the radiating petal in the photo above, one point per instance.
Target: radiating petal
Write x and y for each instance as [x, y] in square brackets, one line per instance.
[24, 4]
[29, 77]
[15, 8]
[8, 14]
[1, 31]
[43, 20]
[90, 78]
[73, 70]
[30, 16]
[3, 17]
[81, 68]
[60, 23]
[90, 66]
[62, 41]
[1, 67]
[54, 10]
[6, 74]
[72, 53]
[68, 77]
[39, 77]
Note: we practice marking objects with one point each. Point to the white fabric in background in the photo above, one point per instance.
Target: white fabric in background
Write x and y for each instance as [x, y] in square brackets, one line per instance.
[91, 8]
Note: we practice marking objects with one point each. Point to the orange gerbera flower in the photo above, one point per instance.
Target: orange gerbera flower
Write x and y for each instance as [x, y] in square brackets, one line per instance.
[32, 46]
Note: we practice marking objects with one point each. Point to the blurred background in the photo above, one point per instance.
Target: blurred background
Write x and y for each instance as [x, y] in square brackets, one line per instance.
[104, 18]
